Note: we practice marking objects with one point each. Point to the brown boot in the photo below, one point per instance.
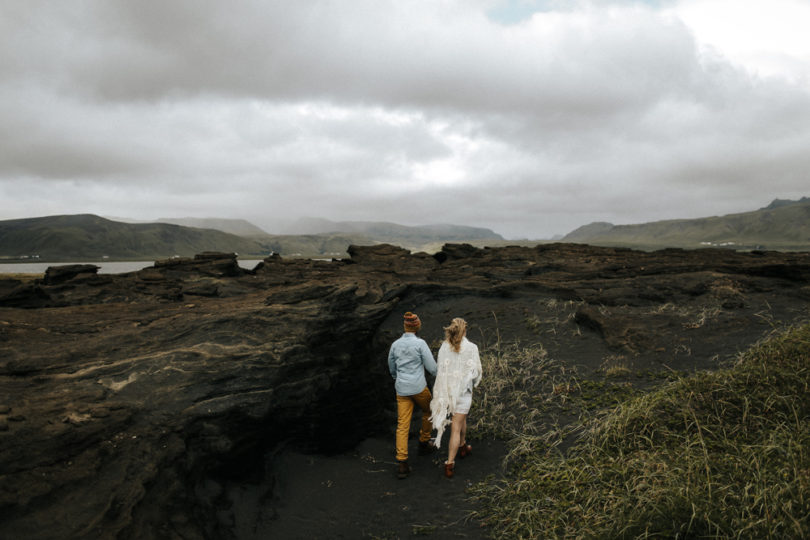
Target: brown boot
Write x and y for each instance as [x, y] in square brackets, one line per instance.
[449, 469]
[403, 470]
[464, 450]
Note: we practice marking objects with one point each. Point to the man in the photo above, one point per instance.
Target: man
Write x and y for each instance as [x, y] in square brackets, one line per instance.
[408, 359]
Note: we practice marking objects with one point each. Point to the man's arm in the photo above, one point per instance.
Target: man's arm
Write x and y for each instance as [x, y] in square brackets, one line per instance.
[427, 358]
[392, 366]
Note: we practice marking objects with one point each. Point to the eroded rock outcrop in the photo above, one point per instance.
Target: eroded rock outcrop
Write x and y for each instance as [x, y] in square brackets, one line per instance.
[129, 403]
[59, 274]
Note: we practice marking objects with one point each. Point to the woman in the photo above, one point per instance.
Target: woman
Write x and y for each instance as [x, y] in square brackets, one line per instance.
[459, 370]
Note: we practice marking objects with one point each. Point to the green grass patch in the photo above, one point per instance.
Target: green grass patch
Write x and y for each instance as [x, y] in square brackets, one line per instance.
[724, 454]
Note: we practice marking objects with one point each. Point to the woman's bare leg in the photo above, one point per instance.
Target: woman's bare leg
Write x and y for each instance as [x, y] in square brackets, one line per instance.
[463, 439]
[459, 421]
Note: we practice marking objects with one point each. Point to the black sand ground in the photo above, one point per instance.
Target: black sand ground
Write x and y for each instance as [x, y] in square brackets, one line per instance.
[356, 494]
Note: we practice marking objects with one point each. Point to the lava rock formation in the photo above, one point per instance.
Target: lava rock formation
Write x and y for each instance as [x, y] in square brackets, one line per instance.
[129, 403]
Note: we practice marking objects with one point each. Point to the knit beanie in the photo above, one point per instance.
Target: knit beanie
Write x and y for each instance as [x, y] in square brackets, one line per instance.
[412, 322]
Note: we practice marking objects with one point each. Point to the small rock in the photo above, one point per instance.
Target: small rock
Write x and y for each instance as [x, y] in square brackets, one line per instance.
[5, 409]
[75, 418]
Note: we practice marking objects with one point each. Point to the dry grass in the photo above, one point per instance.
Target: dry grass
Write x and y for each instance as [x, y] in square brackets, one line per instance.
[25, 278]
[615, 366]
[726, 288]
[524, 393]
[713, 455]
[704, 316]
[556, 315]
[515, 380]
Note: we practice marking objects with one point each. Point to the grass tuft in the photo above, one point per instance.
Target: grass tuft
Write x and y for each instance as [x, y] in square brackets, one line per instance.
[615, 366]
[713, 455]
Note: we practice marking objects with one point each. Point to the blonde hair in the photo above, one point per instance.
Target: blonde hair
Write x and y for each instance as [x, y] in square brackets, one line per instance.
[455, 333]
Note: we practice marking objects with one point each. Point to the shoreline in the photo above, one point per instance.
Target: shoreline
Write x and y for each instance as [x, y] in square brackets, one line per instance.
[105, 267]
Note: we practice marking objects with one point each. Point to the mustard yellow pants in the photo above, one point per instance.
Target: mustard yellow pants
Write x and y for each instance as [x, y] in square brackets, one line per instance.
[405, 413]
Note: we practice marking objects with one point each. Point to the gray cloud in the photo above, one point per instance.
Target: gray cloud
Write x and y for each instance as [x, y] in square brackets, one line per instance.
[412, 112]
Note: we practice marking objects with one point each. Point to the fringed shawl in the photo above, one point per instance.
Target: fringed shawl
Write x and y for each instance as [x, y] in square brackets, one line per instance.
[457, 373]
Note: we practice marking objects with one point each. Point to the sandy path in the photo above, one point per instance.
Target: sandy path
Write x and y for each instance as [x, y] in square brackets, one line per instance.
[357, 494]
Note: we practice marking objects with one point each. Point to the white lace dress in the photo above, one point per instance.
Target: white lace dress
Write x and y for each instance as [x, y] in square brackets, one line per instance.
[458, 373]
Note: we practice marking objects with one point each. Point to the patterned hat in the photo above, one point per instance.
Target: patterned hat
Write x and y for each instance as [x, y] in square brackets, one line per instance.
[412, 322]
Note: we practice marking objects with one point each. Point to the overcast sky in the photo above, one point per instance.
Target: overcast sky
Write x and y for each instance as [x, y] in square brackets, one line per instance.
[530, 117]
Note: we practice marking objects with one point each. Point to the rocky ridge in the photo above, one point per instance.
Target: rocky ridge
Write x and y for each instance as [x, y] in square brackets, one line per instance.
[132, 403]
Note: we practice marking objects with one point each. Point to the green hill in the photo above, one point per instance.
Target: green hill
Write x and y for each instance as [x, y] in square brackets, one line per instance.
[89, 237]
[239, 227]
[783, 225]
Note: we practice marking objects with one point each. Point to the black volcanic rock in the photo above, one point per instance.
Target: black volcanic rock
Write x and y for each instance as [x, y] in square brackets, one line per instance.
[390, 257]
[60, 274]
[208, 263]
[379, 254]
[26, 296]
[137, 405]
[457, 251]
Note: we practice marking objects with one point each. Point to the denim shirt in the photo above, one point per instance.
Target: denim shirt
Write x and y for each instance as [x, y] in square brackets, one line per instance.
[408, 359]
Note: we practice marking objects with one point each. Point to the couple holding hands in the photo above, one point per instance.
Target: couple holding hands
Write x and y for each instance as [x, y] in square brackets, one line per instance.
[458, 370]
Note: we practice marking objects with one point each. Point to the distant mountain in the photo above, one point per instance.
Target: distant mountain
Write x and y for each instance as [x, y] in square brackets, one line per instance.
[782, 225]
[587, 232]
[239, 227]
[779, 203]
[411, 237]
[312, 245]
[88, 237]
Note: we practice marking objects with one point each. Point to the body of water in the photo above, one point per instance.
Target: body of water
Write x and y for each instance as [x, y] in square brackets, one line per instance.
[106, 267]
